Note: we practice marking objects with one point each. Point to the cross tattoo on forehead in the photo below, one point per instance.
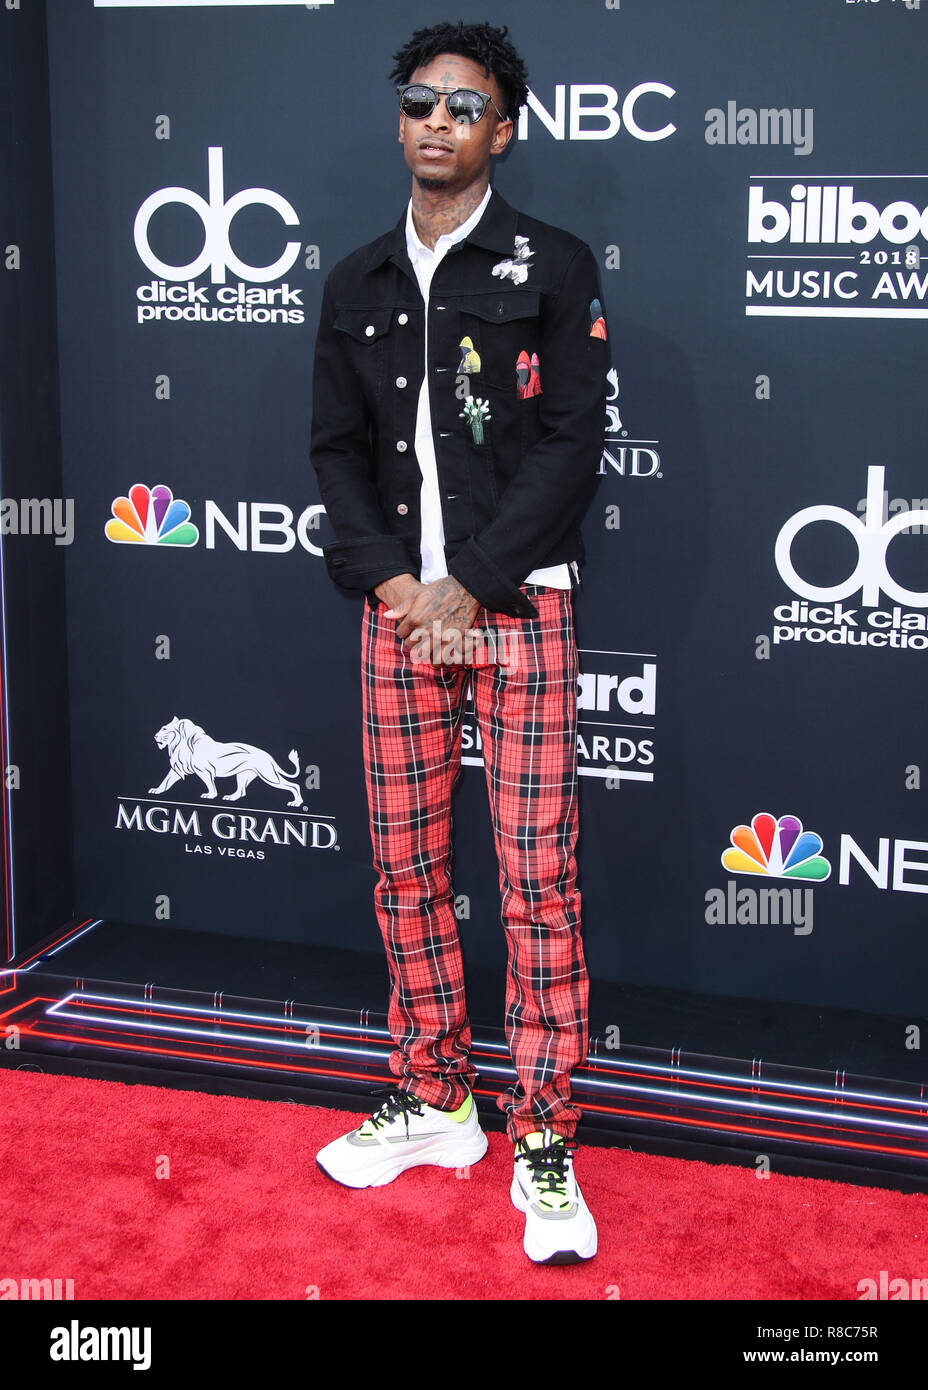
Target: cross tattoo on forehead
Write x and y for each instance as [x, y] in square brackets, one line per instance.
[451, 83]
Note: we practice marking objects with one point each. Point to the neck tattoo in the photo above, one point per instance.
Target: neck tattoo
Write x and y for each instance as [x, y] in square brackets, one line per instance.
[434, 215]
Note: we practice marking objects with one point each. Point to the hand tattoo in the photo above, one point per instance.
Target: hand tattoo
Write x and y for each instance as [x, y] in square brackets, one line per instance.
[446, 602]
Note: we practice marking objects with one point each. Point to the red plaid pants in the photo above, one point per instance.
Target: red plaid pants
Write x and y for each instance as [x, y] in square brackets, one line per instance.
[526, 711]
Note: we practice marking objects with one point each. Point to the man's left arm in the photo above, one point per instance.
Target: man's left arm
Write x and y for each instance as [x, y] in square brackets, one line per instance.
[553, 486]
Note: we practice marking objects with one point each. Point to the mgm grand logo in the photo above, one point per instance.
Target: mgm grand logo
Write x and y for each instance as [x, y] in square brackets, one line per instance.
[243, 833]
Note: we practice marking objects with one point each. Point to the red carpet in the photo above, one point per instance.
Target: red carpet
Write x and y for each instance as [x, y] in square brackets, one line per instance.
[246, 1214]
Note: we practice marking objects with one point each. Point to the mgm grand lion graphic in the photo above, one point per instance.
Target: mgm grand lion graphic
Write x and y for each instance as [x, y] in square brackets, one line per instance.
[190, 749]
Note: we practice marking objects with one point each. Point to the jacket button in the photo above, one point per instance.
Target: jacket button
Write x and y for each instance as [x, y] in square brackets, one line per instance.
[401, 382]
[402, 318]
[499, 308]
[402, 508]
[370, 330]
[401, 446]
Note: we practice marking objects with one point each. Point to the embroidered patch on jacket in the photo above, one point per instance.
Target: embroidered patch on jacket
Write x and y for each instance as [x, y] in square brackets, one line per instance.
[470, 357]
[475, 412]
[598, 329]
[516, 268]
[528, 380]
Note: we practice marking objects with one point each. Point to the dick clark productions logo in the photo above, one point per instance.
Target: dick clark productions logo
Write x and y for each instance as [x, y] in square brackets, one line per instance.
[248, 301]
[831, 621]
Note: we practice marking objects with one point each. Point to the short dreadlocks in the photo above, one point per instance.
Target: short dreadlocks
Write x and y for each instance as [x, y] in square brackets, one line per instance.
[482, 43]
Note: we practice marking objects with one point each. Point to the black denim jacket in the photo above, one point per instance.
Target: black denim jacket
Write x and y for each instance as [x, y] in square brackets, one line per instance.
[511, 503]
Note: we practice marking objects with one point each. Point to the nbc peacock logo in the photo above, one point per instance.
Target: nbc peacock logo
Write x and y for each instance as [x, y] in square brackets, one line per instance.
[151, 516]
[776, 848]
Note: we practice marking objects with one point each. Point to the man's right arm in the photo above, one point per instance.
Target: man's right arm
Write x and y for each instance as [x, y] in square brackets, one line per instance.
[365, 553]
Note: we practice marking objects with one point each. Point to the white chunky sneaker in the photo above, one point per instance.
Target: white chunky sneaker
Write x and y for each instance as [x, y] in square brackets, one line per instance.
[559, 1229]
[404, 1133]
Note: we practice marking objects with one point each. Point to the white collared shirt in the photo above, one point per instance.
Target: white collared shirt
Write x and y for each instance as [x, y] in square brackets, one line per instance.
[432, 544]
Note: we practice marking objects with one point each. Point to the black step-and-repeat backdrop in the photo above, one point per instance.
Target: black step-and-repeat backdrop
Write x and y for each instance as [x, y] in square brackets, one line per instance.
[754, 612]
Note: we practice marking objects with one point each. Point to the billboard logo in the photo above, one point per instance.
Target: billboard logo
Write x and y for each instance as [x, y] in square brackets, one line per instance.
[216, 214]
[151, 516]
[616, 705]
[883, 275]
[616, 710]
[818, 215]
[776, 848]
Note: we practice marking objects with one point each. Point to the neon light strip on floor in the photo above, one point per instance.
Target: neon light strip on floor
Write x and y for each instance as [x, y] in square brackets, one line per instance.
[752, 1132]
[769, 1086]
[95, 1019]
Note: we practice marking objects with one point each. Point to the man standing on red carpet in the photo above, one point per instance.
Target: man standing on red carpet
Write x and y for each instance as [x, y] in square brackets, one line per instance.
[459, 398]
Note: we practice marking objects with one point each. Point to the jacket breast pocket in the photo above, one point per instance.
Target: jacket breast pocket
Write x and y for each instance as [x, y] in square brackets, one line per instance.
[367, 335]
[500, 325]
[530, 420]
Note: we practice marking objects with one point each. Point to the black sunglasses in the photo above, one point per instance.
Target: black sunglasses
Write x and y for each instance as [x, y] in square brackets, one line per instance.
[463, 104]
